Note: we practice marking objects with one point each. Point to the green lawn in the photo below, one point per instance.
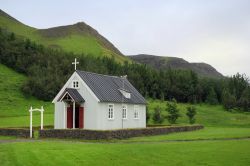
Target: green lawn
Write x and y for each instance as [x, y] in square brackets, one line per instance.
[7, 137]
[178, 153]
[206, 133]
[24, 121]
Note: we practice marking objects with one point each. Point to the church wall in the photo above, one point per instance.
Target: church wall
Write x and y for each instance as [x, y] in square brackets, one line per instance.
[59, 115]
[118, 122]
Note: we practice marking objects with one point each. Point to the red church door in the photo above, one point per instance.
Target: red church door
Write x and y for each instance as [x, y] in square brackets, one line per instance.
[81, 117]
[69, 117]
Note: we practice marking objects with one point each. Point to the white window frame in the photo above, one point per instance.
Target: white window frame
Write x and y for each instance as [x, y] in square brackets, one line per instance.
[74, 83]
[124, 107]
[113, 112]
[136, 112]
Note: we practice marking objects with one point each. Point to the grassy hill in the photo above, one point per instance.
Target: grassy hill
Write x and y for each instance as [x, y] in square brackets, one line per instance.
[14, 105]
[78, 38]
[160, 62]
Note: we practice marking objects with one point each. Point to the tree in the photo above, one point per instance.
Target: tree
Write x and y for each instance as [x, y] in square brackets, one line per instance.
[237, 84]
[173, 111]
[212, 97]
[244, 101]
[191, 112]
[157, 117]
[228, 100]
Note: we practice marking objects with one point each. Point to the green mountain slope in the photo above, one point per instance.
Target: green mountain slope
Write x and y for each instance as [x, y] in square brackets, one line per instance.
[78, 38]
[14, 105]
[160, 62]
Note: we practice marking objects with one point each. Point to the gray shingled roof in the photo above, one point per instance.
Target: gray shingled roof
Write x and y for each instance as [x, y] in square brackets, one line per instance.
[106, 88]
[74, 94]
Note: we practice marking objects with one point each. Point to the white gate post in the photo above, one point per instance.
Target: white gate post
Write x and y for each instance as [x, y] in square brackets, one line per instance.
[30, 122]
[42, 117]
[31, 110]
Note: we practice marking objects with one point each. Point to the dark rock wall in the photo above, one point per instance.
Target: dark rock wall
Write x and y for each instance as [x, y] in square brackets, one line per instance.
[113, 134]
[25, 133]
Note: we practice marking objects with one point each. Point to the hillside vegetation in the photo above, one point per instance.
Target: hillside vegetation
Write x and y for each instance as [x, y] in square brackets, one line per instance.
[79, 38]
[14, 105]
[164, 63]
[208, 115]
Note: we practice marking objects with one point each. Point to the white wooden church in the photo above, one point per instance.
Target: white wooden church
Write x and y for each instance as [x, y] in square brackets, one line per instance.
[99, 102]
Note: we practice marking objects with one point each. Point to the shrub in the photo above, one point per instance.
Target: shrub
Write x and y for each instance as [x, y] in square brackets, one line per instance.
[212, 97]
[244, 101]
[157, 117]
[228, 100]
[191, 112]
[173, 112]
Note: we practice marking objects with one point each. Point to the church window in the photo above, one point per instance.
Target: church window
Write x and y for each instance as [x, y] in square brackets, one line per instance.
[111, 111]
[75, 84]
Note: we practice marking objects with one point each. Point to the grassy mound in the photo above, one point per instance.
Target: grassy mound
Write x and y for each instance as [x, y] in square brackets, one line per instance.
[14, 105]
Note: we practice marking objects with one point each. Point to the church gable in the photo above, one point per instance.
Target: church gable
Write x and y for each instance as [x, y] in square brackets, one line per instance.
[74, 82]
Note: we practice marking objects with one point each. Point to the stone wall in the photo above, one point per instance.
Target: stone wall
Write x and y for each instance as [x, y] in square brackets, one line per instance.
[113, 134]
[25, 133]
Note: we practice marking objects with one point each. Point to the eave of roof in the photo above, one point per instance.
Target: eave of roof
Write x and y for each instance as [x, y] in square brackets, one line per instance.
[73, 93]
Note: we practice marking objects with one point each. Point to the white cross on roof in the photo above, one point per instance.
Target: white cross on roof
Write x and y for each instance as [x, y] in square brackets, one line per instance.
[75, 63]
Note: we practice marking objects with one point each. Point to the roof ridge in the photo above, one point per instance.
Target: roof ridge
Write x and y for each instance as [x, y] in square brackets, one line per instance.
[98, 74]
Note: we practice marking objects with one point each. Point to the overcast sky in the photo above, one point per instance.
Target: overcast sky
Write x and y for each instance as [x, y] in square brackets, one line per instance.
[211, 31]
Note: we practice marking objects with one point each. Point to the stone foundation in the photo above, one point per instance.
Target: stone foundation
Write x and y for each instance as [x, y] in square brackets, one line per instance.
[25, 133]
[113, 134]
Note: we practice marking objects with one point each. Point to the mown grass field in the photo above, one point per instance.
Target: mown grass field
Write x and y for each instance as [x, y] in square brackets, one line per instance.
[196, 148]
[208, 133]
[228, 153]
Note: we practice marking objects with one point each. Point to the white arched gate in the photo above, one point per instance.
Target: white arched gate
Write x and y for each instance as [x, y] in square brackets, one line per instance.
[36, 109]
